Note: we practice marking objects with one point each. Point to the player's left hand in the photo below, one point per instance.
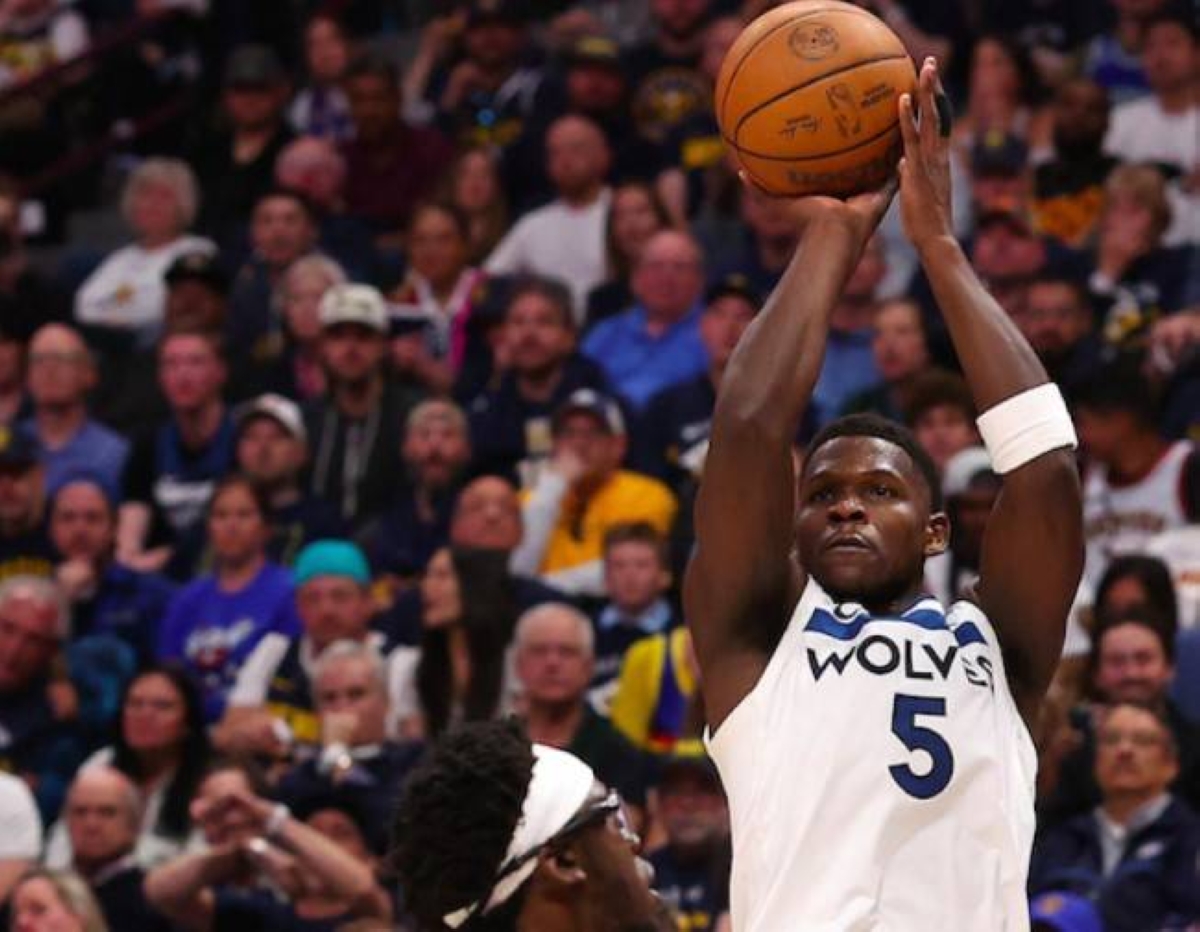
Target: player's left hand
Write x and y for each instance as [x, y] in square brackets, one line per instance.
[925, 167]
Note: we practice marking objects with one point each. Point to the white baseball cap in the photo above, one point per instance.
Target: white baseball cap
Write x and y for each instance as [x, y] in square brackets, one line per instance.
[283, 411]
[354, 304]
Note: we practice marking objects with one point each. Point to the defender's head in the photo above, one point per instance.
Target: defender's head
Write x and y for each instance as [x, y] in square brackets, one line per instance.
[869, 510]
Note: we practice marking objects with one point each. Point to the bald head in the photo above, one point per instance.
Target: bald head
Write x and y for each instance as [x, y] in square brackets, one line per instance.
[578, 158]
[314, 167]
[487, 515]
[669, 276]
[103, 815]
[61, 372]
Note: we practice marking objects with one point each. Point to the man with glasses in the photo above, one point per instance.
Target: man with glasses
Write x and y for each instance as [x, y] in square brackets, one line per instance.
[494, 833]
[1136, 853]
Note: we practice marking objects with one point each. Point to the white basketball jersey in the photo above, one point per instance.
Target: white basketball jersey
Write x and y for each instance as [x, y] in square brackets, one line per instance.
[880, 778]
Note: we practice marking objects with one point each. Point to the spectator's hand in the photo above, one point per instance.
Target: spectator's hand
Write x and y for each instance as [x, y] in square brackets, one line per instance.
[338, 727]
[1172, 337]
[77, 578]
[63, 699]
[439, 35]
[925, 167]
[250, 732]
[277, 865]
[466, 78]
[566, 463]
[1124, 238]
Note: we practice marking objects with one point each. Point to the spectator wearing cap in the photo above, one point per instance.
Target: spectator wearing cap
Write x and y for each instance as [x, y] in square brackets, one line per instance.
[320, 108]
[941, 414]
[1163, 127]
[106, 597]
[901, 353]
[656, 343]
[60, 374]
[357, 756]
[390, 165]
[1058, 322]
[236, 167]
[175, 463]
[20, 832]
[969, 488]
[1007, 253]
[582, 493]
[215, 622]
[355, 460]
[283, 229]
[1068, 189]
[126, 293]
[565, 238]
[127, 394]
[435, 453]
[510, 423]
[691, 871]
[671, 436]
[25, 547]
[272, 452]
[1135, 855]
[1000, 178]
[271, 706]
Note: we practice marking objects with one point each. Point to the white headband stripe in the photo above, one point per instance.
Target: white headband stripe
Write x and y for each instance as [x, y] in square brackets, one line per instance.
[558, 788]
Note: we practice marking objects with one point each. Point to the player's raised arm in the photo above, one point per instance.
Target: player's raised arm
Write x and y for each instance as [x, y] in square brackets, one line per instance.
[1033, 547]
[741, 584]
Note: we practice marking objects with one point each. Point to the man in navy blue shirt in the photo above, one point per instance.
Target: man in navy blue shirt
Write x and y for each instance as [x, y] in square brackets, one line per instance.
[24, 547]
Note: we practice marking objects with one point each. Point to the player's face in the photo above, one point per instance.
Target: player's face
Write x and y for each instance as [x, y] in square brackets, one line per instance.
[1132, 666]
[863, 524]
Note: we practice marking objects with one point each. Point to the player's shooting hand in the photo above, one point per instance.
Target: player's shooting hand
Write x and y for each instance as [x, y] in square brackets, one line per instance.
[925, 167]
[860, 213]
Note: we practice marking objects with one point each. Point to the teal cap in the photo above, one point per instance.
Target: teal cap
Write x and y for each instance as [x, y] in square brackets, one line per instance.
[331, 558]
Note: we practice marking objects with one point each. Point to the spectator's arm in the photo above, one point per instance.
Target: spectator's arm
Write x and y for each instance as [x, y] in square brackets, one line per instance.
[182, 890]
[539, 514]
[508, 258]
[133, 526]
[585, 579]
[20, 832]
[247, 727]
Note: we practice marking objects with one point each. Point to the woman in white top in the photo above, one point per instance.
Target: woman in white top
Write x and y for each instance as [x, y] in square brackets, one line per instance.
[162, 746]
[127, 292]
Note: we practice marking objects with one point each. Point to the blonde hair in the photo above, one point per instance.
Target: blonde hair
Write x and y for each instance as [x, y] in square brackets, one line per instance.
[314, 264]
[74, 893]
[1146, 186]
[170, 173]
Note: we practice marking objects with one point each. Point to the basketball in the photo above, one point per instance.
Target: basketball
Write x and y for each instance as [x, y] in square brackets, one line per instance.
[806, 99]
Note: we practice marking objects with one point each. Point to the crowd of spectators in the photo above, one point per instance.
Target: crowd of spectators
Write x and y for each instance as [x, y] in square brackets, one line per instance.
[391, 411]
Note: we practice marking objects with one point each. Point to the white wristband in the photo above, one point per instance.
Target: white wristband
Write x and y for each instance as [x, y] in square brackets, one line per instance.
[1025, 426]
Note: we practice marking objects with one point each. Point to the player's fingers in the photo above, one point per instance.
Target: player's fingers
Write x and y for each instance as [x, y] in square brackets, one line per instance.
[927, 101]
[908, 126]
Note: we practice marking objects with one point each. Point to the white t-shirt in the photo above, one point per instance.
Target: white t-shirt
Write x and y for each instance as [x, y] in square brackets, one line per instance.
[20, 825]
[561, 242]
[127, 291]
[880, 777]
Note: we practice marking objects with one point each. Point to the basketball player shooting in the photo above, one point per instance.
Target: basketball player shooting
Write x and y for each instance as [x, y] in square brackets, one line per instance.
[873, 744]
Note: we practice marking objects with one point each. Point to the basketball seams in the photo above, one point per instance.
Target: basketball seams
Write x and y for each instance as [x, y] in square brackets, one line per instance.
[894, 125]
[791, 21]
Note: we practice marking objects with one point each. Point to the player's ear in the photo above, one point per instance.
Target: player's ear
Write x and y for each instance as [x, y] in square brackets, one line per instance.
[937, 534]
[561, 868]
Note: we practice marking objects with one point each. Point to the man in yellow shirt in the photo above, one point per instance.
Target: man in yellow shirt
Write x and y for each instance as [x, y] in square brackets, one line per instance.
[582, 493]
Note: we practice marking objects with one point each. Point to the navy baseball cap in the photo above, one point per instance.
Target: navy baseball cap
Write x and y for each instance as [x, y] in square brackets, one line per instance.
[734, 285]
[589, 401]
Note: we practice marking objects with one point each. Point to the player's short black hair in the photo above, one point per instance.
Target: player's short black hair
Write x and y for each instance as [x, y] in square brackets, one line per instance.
[455, 819]
[872, 425]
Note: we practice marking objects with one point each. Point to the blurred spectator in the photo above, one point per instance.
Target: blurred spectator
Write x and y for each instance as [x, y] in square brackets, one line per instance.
[271, 711]
[106, 597]
[1136, 483]
[691, 872]
[389, 164]
[510, 423]
[174, 465]
[1063, 912]
[320, 108]
[473, 186]
[251, 841]
[214, 623]
[20, 832]
[1112, 59]
[236, 166]
[1164, 128]
[554, 654]
[28, 298]
[1056, 318]
[39, 737]
[849, 366]
[435, 453]
[1000, 177]
[1007, 254]
[970, 489]
[1136, 853]
[637, 577]
[127, 292]
[283, 229]
[582, 493]
[656, 343]
[36, 35]
[1004, 95]
[60, 374]
[13, 401]
[61, 898]
[901, 353]
[25, 547]
[431, 309]
[941, 414]
[102, 813]
[355, 457]
[657, 704]
[1068, 189]
[299, 295]
[635, 214]
[671, 437]
[461, 670]
[1136, 583]
[767, 238]
[668, 86]
[350, 692]
[565, 239]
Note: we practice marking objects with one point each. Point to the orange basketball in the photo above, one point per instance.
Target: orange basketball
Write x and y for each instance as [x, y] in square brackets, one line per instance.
[806, 99]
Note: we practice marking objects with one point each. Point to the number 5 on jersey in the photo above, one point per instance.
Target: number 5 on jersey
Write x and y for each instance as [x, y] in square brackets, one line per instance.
[916, 737]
